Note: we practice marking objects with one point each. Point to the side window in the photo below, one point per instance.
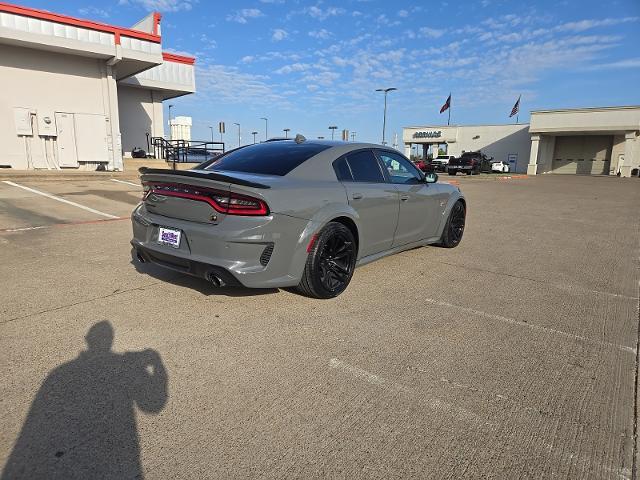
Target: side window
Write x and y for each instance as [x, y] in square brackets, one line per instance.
[364, 167]
[343, 173]
[400, 169]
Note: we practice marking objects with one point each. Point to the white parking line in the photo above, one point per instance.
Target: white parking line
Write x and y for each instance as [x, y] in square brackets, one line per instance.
[531, 326]
[59, 199]
[124, 181]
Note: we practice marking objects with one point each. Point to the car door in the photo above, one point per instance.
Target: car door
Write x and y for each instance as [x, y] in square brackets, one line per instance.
[375, 200]
[420, 203]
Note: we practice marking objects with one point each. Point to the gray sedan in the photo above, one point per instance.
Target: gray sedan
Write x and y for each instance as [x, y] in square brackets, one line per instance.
[292, 213]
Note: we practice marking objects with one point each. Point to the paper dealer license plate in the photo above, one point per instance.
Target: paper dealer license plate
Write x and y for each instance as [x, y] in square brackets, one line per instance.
[169, 236]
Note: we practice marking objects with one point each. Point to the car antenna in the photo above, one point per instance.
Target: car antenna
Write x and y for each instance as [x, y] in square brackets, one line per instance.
[300, 138]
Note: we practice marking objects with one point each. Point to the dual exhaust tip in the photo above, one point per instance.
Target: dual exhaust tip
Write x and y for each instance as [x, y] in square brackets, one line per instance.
[211, 277]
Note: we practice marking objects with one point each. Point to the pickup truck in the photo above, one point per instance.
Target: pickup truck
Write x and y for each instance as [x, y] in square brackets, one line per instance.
[441, 161]
[470, 163]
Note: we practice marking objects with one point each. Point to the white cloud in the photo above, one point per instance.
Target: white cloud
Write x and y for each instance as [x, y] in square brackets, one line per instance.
[208, 43]
[247, 59]
[93, 12]
[320, 34]
[242, 15]
[583, 25]
[294, 67]
[229, 85]
[403, 13]
[428, 32]
[323, 14]
[160, 5]
[279, 34]
[626, 63]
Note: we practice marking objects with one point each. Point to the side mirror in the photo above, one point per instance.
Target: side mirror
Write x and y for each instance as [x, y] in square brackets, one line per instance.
[431, 177]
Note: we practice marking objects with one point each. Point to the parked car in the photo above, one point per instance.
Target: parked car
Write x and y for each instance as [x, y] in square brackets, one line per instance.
[300, 213]
[441, 162]
[426, 167]
[470, 163]
[500, 167]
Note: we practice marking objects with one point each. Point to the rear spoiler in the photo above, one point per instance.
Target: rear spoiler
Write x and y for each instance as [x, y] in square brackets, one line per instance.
[203, 174]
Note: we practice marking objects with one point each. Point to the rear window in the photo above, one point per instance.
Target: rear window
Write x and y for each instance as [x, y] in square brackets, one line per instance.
[272, 158]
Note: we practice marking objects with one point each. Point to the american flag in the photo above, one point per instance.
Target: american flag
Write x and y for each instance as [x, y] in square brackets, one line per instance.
[446, 105]
[516, 108]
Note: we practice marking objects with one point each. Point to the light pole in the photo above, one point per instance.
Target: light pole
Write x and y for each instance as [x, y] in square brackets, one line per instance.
[353, 136]
[286, 132]
[254, 137]
[333, 129]
[238, 132]
[170, 132]
[266, 127]
[384, 118]
[211, 128]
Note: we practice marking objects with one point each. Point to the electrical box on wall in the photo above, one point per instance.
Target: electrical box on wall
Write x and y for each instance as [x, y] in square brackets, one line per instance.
[47, 124]
[22, 121]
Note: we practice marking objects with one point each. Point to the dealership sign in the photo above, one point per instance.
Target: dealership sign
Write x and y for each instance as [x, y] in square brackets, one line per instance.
[431, 134]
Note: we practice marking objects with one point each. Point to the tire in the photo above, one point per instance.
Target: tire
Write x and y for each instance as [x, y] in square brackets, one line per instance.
[452, 173]
[454, 228]
[330, 263]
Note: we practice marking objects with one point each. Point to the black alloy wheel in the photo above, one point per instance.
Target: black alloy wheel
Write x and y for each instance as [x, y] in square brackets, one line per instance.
[454, 229]
[330, 263]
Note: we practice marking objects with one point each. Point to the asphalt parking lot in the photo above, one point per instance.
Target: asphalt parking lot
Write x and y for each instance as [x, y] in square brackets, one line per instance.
[511, 356]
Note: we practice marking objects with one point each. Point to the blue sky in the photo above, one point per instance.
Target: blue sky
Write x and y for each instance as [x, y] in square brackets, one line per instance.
[308, 65]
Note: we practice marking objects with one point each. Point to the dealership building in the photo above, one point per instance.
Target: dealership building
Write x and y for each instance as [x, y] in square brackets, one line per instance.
[79, 94]
[588, 141]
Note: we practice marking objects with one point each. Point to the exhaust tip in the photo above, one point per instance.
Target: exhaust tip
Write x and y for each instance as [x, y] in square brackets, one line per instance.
[215, 280]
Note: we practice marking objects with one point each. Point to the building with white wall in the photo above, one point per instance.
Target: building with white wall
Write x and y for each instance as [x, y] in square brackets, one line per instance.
[584, 141]
[590, 141]
[509, 143]
[79, 94]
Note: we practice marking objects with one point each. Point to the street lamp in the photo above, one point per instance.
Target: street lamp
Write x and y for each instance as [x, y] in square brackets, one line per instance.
[211, 128]
[238, 132]
[384, 118]
[286, 132]
[170, 132]
[333, 130]
[266, 127]
[254, 136]
[353, 136]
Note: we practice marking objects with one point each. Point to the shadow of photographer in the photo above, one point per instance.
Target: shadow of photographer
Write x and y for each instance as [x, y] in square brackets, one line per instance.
[82, 422]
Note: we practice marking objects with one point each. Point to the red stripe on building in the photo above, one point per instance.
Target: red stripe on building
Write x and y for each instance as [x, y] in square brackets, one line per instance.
[77, 22]
[172, 57]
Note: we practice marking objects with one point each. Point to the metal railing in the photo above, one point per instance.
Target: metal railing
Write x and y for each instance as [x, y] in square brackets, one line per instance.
[185, 151]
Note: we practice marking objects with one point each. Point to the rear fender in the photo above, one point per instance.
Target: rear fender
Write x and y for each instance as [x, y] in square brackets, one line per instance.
[316, 223]
[453, 198]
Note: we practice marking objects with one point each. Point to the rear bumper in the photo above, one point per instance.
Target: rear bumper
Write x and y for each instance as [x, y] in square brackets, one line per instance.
[191, 267]
[255, 252]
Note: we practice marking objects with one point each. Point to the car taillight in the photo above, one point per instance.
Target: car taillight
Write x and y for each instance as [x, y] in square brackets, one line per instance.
[229, 203]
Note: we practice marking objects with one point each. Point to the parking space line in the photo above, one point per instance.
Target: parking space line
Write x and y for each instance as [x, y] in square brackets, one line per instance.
[124, 181]
[520, 323]
[69, 224]
[60, 199]
[432, 402]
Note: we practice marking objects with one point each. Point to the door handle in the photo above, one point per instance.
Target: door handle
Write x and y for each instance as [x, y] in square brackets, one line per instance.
[356, 196]
[404, 198]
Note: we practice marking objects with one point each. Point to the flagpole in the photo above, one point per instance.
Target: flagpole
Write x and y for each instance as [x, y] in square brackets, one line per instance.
[449, 119]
